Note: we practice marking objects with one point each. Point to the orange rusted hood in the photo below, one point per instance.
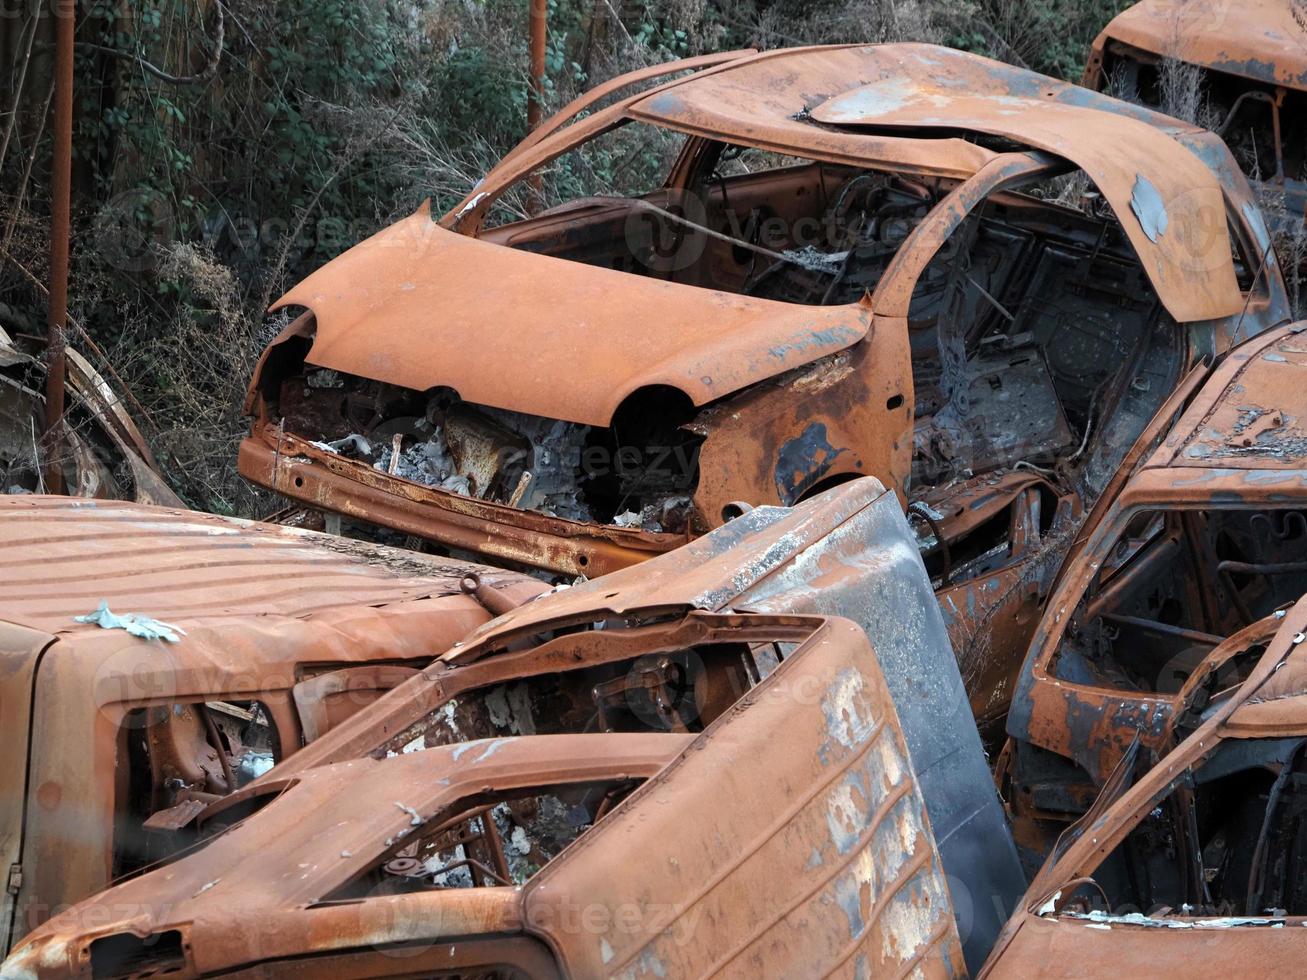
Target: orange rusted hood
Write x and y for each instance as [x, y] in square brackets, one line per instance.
[420, 307]
[1263, 40]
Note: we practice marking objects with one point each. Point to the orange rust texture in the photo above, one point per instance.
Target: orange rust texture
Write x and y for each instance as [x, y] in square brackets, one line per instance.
[1271, 703]
[262, 607]
[1261, 40]
[1230, 450]
[768, 374]
[820, 860]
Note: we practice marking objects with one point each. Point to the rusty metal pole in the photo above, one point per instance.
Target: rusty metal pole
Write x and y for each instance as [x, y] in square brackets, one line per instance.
[535, 92]
[61, 185]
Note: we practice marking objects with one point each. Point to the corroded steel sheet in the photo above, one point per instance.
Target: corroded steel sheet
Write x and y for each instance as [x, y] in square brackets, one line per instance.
[1262, 40]
[256, 608]
[820, 860]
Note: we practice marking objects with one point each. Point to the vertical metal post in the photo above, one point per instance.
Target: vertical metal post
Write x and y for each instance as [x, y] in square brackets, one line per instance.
[61, 182]
[535, 93]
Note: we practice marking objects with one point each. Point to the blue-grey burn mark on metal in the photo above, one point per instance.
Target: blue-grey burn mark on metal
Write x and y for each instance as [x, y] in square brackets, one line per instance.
[803, 461]
[882, 586]
[809, 339]
[1147, 205]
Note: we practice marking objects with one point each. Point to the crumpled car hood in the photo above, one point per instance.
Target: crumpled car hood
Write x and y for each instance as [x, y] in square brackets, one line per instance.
[420, 307]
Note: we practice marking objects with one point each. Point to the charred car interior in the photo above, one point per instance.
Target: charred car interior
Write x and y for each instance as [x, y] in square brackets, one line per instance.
[1205, 851]
[1175, 595]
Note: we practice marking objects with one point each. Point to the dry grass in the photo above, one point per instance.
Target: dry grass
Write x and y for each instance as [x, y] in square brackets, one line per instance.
[194, 372]
[1183, 93]
[1289, 237]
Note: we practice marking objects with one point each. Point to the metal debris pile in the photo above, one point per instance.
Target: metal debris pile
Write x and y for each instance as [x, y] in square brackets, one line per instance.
[968, 487]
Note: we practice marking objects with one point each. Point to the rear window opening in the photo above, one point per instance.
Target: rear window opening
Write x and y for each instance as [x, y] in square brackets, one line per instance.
[679, 691]
[500, 843]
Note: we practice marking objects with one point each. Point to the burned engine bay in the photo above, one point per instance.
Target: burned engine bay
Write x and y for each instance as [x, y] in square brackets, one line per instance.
[1033, 332]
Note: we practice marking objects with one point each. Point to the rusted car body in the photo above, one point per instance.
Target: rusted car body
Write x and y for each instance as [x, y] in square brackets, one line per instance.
[708, 723]
[1197, 865]
[110, 738]
[784, 869]
[1170, 598]
[595, 385]
[1251, 61]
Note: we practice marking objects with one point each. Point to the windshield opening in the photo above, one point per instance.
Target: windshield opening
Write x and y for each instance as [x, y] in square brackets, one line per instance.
[1175, 586]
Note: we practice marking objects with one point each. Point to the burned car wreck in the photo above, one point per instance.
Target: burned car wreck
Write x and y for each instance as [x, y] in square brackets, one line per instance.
[882, 280]
[102, 454]
[1169, 601]
[1201, 858]
[118, 725]
[1242, 67]
[478, 808]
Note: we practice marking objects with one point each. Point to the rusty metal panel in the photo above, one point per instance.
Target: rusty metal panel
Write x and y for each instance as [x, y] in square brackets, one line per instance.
[1070, 948]
[20, 653]
[256, 608]
[1262, 40]
[869, 570]
[811, 855]
[61, 556]
[636, 331]
[293, 467]
[1047, 937]
[1251, 414]
[1124, 157]
[260, 891]
[277, 885]
[847, 552]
